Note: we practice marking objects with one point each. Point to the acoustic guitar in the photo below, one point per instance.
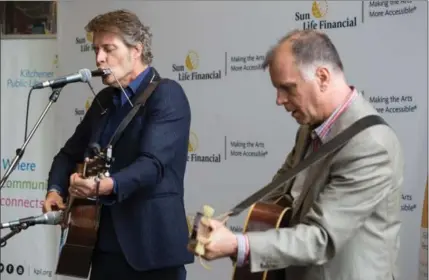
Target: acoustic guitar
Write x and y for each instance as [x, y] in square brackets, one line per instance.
[264, 216]
[278, 214]
[81, 221]
[261, 216]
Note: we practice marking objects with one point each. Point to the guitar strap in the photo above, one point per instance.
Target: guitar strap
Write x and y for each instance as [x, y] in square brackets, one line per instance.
[140, 101]
[333, 145]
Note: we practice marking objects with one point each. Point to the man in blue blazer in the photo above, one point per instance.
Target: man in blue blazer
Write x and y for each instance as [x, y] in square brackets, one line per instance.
[143, 231]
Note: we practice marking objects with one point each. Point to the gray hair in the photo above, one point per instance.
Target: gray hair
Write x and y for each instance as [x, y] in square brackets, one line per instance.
[130, 29]
[310, 49]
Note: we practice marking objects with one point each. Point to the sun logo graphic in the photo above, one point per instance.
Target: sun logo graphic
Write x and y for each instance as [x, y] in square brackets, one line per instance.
[80, 112]
[193, 142]
[192, 61]
[314, 18]
[89, 37]
[88, 103]
[193, 147]
[319, 9]
[85, 42]
[188, 70]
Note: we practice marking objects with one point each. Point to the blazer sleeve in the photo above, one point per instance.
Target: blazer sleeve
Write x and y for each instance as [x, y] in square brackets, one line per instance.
[73, 151]
[360, 179]
[168, 124]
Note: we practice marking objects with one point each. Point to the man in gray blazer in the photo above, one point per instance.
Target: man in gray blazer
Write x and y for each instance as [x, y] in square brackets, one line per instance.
[346, 227]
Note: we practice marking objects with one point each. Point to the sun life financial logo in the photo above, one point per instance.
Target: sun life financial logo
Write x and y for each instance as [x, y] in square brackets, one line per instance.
[85, 43]
[316, 19]
[193, 156]
[189, 70]
[82, 111]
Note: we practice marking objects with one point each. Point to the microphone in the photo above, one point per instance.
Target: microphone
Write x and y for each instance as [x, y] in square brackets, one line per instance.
[84, 75]
[50, 218]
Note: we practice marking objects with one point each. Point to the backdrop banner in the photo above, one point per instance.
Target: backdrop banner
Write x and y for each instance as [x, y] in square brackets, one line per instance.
[239, 136]
[33, 251]
[423, 272]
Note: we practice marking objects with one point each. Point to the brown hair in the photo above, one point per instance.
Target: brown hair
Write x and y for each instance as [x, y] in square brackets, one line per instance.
[128, 26]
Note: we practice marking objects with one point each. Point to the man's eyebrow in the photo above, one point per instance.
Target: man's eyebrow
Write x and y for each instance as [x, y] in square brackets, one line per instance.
[104, 45]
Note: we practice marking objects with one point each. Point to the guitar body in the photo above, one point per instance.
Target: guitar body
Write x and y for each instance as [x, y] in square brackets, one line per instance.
[79, 233]
[264, 216]
[78, 239]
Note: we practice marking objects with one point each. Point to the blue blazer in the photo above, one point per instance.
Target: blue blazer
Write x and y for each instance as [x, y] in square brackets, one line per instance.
[148, 211]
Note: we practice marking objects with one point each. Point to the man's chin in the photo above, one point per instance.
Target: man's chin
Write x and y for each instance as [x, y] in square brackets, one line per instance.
[108, 81]
[299, 118]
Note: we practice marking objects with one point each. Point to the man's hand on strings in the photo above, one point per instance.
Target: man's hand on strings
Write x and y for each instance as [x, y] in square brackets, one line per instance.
[220, 243]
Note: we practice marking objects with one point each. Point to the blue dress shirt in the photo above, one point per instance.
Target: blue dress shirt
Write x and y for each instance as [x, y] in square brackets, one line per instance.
[107, 240]
[119, 111]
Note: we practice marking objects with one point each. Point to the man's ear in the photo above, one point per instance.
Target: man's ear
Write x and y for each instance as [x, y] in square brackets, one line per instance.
[138, 50]
[323, 77]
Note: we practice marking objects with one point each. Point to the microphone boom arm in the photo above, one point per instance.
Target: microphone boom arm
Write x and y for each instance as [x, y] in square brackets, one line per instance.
[56, 90]
[14, 231]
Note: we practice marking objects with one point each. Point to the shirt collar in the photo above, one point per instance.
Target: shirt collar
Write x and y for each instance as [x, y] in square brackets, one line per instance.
[132, 88]
[323, 129]
[134, 85]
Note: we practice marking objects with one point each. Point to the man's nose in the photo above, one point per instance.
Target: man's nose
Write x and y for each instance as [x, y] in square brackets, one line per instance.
[281, 99]
[101, 58]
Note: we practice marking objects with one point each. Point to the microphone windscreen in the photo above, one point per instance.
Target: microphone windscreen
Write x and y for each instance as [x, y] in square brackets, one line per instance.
[86, 75]
[54, 217]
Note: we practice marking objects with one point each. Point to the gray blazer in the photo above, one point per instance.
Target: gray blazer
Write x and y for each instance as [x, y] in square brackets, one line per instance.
[351, 230]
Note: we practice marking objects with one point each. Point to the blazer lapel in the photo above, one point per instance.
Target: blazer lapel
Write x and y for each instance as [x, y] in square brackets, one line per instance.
[152, 75]
[302, 144]
[301, 147]
[357, 109]
[100, 120]
[100, 124]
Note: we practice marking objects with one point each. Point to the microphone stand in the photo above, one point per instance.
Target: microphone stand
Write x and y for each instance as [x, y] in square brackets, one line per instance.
[14, 231]
[56, 90]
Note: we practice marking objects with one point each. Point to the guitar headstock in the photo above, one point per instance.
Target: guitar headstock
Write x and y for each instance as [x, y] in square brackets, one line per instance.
[94, 167]
[199, 229]
[97, 165]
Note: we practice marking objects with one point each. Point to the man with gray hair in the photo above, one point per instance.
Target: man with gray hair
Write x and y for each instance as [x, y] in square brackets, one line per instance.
[143, 228]
[346, 227]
